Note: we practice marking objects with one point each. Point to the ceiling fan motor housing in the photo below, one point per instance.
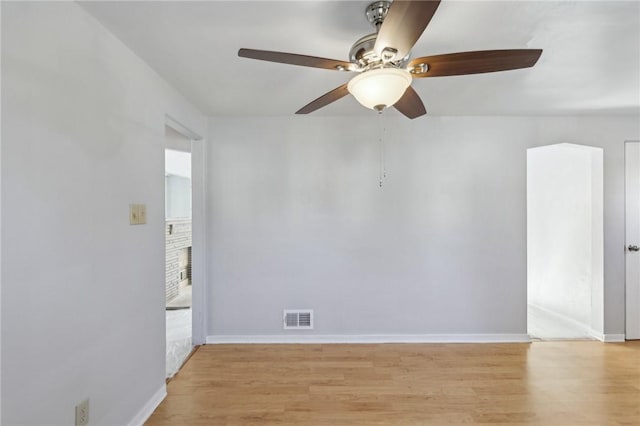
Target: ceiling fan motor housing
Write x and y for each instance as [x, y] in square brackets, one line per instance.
[362, 52]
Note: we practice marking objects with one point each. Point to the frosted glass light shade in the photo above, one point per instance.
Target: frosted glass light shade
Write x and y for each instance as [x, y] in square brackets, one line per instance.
[379, 88]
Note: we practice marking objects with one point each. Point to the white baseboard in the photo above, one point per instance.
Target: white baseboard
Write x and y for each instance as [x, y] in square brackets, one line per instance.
[148, 408]
[613, 338]
[370, 338]
[608, 338]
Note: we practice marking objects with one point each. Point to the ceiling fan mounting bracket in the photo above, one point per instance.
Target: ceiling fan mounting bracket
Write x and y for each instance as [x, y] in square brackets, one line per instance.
[388, 53]
[376, 12]
[419, 68]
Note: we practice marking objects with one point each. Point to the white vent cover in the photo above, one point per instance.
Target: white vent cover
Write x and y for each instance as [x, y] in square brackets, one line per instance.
[298, 319]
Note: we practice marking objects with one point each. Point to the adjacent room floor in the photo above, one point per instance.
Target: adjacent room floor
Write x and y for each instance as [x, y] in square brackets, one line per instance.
[546, 326]
[179, 331]
[178, 339]
[543, 383]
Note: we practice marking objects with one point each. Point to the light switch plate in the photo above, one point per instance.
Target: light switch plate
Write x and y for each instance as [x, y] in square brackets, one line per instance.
[142, 214]
[82, 413]
[134, 214]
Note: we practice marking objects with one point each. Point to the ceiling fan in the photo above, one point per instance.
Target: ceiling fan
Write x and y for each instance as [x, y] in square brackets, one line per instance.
[383, 63]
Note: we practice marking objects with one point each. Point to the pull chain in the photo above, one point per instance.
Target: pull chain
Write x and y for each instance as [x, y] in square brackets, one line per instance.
[384, 150]
[382, 171]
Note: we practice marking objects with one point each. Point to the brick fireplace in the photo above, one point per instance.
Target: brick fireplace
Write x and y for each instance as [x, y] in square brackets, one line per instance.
[178, 256]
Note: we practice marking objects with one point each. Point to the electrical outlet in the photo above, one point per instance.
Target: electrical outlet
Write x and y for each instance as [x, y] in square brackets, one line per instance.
[82, 413]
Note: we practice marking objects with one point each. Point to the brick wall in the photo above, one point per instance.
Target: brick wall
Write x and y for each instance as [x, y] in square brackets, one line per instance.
[178, 237]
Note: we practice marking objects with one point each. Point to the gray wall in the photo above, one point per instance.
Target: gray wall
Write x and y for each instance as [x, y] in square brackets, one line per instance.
[82, 290]
[296, 220]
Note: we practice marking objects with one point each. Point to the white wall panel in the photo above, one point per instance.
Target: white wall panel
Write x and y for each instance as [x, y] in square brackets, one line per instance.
[83, 291]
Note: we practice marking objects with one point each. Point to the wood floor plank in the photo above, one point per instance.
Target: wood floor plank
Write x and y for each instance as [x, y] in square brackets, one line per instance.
[543, 383]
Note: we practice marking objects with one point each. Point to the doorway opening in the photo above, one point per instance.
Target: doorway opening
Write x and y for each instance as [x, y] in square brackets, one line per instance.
[565, 242]
[178, 250]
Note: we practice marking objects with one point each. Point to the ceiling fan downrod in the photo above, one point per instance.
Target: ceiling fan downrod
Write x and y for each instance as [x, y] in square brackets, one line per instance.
[376, 12]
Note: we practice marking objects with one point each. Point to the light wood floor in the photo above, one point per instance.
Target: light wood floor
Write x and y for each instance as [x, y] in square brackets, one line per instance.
[545, 383]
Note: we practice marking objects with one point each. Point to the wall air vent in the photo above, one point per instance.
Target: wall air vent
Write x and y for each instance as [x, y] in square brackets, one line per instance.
[298, 319]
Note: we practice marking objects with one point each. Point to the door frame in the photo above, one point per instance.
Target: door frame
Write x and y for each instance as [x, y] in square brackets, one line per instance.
[631, 287]
[594, 326]
[198, 244]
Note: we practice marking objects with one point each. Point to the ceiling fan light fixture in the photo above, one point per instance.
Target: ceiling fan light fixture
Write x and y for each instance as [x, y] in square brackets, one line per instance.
[379, 87]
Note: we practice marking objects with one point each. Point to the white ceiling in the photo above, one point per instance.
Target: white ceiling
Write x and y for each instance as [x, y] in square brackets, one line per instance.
[590, 63]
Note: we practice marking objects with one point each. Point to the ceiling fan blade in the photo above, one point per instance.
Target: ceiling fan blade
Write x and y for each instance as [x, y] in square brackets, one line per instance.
[295, 59]
[410, 104]
[324, 100]
[402, 27]
[477, 62]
